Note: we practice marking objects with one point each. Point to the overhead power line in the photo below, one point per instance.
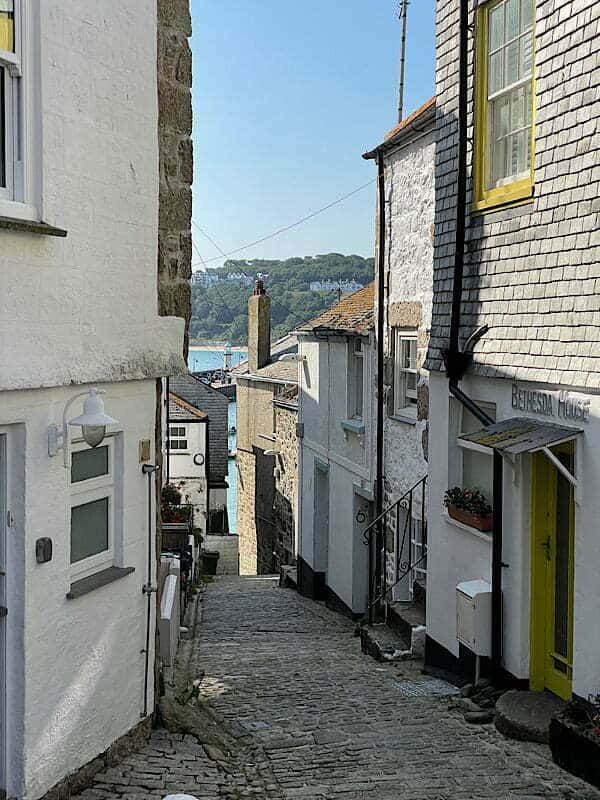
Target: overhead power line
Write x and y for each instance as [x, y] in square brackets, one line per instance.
[279, 231]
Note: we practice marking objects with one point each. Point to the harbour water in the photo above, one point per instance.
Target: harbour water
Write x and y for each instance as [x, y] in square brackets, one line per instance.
[200, 360]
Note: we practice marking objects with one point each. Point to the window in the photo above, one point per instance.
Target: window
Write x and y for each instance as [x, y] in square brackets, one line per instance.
[92, 507]
[505, 102]
[356, 375]
[11, 101]
[405, 374]
[477, 462]
[177, 438]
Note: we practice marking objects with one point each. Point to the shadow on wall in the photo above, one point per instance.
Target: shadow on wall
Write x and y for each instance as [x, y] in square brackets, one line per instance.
[284, 530]
[264, 519]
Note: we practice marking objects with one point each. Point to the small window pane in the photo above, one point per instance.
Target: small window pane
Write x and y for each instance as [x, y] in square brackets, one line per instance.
[411, 381]
[7, 26]
[496, 78]
[526, 44]
[512, 63]
[88, 464]
[512, 19]
[497, 27]
[526, 14]
[89, 529]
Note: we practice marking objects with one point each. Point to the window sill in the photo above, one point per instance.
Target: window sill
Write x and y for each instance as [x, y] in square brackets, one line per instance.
[504, 197]
[29, 226]
[487, 537]
[408, 419]
[96, 581]
[353, 425]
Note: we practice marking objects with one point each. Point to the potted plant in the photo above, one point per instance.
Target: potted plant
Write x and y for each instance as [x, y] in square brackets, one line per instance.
[470, 507]
[575, 739]
[170, 495]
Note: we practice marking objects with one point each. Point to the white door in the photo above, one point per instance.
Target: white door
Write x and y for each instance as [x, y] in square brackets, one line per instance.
[3, 613]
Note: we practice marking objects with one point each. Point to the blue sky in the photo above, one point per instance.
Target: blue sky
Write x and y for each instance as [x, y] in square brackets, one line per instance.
[287, 96]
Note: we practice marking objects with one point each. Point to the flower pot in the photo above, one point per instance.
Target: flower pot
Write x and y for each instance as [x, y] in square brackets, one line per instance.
[481, 522]
[575, 745]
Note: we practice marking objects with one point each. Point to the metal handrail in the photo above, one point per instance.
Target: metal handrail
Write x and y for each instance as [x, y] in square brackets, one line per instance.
[371, 525]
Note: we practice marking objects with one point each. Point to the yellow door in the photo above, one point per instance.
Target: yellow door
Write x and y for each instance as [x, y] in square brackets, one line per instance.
[552, 567]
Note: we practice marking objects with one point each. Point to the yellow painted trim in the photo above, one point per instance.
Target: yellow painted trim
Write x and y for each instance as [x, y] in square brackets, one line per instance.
[518, 191]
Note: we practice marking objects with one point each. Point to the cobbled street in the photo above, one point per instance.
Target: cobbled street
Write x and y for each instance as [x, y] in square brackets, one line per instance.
[312, 717]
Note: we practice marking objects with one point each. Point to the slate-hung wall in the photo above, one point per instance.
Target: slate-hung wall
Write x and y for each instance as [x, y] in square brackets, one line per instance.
[532, 272]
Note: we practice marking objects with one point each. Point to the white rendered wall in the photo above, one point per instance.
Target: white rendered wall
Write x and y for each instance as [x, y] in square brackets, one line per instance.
[81, 684]
[349, 457]
[84, 308]
[456, 555]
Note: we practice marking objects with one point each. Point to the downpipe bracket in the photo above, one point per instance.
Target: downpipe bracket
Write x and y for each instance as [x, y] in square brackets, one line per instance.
[148, 588]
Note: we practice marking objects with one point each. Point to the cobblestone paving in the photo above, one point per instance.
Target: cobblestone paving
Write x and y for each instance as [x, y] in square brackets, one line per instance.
[314, 718]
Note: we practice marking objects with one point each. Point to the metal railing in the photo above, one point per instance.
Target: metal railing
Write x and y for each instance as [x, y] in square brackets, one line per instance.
[408, 520]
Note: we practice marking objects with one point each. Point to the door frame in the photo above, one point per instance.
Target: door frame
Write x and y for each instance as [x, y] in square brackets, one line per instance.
[544, 477]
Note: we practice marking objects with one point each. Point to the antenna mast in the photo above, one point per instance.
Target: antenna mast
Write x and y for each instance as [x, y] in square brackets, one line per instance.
[402, 16]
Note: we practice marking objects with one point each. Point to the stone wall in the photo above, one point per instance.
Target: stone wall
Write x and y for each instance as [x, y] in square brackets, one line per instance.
[531, 272]
[286, 484]
[246, 522]
[176, 160]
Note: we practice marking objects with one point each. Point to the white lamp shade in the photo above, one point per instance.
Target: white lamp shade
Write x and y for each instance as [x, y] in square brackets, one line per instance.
[93, 412]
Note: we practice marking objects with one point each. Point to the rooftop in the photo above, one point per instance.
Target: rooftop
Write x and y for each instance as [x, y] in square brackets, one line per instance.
[408, 124]
[179, 409]
[354, 314]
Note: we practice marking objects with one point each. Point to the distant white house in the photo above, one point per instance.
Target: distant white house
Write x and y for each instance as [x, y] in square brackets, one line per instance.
[336, 415]
[188, 457]
[345, 287]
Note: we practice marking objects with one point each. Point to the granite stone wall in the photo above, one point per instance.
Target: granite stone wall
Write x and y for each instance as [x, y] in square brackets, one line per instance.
[286, 484]
[532, 272]
[175, 159]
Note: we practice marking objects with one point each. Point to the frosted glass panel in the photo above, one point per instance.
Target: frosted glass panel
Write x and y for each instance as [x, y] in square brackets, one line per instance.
[89, 529]
[88, 464]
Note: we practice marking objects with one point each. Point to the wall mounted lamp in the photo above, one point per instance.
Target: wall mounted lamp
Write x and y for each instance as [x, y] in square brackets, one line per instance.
[92, 422]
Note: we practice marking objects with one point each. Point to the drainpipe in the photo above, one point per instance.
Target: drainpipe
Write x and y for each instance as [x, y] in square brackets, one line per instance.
[148, 589]
[456, 360]
[379, 533]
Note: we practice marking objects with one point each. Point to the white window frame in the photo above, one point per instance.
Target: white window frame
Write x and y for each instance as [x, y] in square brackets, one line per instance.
[404, 400]
[180, 437]
[20, 199]
[354, 354]
[491, 410]
[87, 492]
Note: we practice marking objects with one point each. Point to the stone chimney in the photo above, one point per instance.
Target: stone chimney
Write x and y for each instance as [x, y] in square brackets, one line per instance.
[259, 328]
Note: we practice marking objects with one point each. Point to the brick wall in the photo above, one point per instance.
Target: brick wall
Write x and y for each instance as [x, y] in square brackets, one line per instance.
[532, 273]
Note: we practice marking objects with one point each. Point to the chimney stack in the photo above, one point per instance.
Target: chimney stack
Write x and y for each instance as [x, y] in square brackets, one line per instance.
[259, 328]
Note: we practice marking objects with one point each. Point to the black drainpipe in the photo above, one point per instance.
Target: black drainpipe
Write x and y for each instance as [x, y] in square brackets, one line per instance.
[457, 361]
[379, 533]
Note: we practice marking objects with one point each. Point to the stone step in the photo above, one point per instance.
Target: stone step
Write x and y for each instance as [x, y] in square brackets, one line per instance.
[404, 617]
[526, 715]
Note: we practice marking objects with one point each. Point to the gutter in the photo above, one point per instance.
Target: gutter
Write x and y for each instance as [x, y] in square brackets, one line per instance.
[457, 361]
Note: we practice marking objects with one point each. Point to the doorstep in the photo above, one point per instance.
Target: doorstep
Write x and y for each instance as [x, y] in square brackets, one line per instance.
[403, 618]
[527, 715]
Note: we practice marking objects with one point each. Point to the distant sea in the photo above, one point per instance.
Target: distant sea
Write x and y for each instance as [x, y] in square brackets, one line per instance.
[200, 360]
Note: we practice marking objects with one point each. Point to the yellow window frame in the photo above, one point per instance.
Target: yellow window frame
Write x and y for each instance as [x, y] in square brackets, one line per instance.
[518, 191]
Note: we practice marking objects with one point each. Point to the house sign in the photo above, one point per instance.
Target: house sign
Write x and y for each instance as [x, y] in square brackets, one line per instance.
[551, 404]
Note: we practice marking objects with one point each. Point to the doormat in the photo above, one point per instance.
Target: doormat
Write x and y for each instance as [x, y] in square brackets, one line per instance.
[425, 687]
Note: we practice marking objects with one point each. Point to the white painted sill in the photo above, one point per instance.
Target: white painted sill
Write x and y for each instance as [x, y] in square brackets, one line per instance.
[353, 425]
[407, 419]
[487, 537]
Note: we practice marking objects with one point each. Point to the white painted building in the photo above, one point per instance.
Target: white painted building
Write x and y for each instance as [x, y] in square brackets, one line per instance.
[336, 414]
[188, 457]
[406, 158]
[79, 191]
[513, 358]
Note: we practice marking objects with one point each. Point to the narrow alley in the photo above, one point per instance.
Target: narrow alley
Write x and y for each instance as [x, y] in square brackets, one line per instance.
[309, 716]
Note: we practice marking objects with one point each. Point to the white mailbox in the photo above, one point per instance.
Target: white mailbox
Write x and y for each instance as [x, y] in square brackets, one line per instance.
[474, 616]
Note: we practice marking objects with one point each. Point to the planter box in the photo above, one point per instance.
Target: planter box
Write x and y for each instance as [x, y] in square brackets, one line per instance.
[481, 523]
[575, 747]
